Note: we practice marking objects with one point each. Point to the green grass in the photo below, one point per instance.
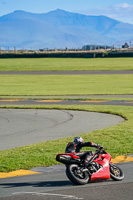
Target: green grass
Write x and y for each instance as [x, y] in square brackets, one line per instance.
[65, 64]
[118, 139]
[65, 85]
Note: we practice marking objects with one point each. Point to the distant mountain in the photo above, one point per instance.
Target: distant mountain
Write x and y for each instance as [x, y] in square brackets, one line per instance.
[60, 29]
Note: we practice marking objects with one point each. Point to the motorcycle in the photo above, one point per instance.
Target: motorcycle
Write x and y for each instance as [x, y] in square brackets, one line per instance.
[99, 167]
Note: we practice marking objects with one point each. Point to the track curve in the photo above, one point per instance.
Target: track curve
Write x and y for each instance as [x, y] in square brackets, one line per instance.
[19, 127]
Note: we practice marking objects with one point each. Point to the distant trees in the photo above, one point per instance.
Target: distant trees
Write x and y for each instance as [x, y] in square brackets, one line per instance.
[125, 45]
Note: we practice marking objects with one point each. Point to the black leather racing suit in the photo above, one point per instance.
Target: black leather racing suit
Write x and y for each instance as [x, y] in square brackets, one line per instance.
[85, 144]
[75, 148]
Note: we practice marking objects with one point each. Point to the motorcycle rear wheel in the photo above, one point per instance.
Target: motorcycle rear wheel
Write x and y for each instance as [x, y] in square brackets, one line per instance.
[116, 172]
[76, 175]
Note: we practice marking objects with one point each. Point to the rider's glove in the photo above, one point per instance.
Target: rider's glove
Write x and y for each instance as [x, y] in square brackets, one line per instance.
[99, 146]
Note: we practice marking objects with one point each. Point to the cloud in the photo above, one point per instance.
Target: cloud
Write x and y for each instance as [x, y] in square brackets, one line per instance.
[124, 5]
[121, 12]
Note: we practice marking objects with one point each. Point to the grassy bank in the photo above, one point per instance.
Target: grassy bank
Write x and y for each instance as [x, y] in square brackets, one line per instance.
[118, 139]
[65, 64]
[65, 85]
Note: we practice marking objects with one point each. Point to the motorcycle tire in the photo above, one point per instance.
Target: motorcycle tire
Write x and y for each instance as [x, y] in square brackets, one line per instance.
[116, 172]
[76, 176]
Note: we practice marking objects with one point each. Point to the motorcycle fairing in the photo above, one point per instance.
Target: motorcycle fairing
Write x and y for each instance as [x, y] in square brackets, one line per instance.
[103, 160]
[103, 173]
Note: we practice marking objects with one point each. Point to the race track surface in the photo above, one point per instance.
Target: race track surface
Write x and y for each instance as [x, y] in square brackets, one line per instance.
[80, 72]
[53, 184]
[19, 127]
[65, 102]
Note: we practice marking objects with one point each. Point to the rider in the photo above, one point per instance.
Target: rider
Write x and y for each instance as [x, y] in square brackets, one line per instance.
[76, 146]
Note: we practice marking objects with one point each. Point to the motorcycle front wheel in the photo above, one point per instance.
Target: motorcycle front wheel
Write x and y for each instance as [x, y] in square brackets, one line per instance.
[116, 172]
[76, 174]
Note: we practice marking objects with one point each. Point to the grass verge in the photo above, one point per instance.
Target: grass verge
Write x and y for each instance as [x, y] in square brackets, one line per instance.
[65, 64]
[118, 139]
[65, 85]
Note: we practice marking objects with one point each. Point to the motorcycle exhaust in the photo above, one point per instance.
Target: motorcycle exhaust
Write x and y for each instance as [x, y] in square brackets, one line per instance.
[65, 159]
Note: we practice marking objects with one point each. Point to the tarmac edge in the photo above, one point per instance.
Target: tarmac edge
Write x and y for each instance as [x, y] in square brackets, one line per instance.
[21, 172]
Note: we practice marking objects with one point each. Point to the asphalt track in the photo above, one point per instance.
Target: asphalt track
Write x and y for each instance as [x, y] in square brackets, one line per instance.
[19, 127]
[81, 72]
[52, 184]
[65, 102]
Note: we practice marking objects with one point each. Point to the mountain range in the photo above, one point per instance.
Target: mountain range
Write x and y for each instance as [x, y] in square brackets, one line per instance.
[61, 29]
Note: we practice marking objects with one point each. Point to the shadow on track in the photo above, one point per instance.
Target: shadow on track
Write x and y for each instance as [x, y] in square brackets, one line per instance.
[37, 184]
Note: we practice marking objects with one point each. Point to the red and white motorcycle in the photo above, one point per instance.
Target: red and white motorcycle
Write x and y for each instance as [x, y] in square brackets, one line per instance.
[99, 168]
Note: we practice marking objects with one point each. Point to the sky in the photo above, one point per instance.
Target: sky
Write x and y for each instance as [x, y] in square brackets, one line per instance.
[121, 10]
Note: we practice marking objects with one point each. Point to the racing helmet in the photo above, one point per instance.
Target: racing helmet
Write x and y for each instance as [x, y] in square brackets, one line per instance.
[78, 140]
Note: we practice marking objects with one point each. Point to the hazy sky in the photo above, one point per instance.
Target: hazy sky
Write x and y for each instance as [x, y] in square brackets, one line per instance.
[118, 9]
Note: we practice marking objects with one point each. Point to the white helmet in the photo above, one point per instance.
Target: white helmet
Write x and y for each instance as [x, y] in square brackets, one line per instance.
[78, 140]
